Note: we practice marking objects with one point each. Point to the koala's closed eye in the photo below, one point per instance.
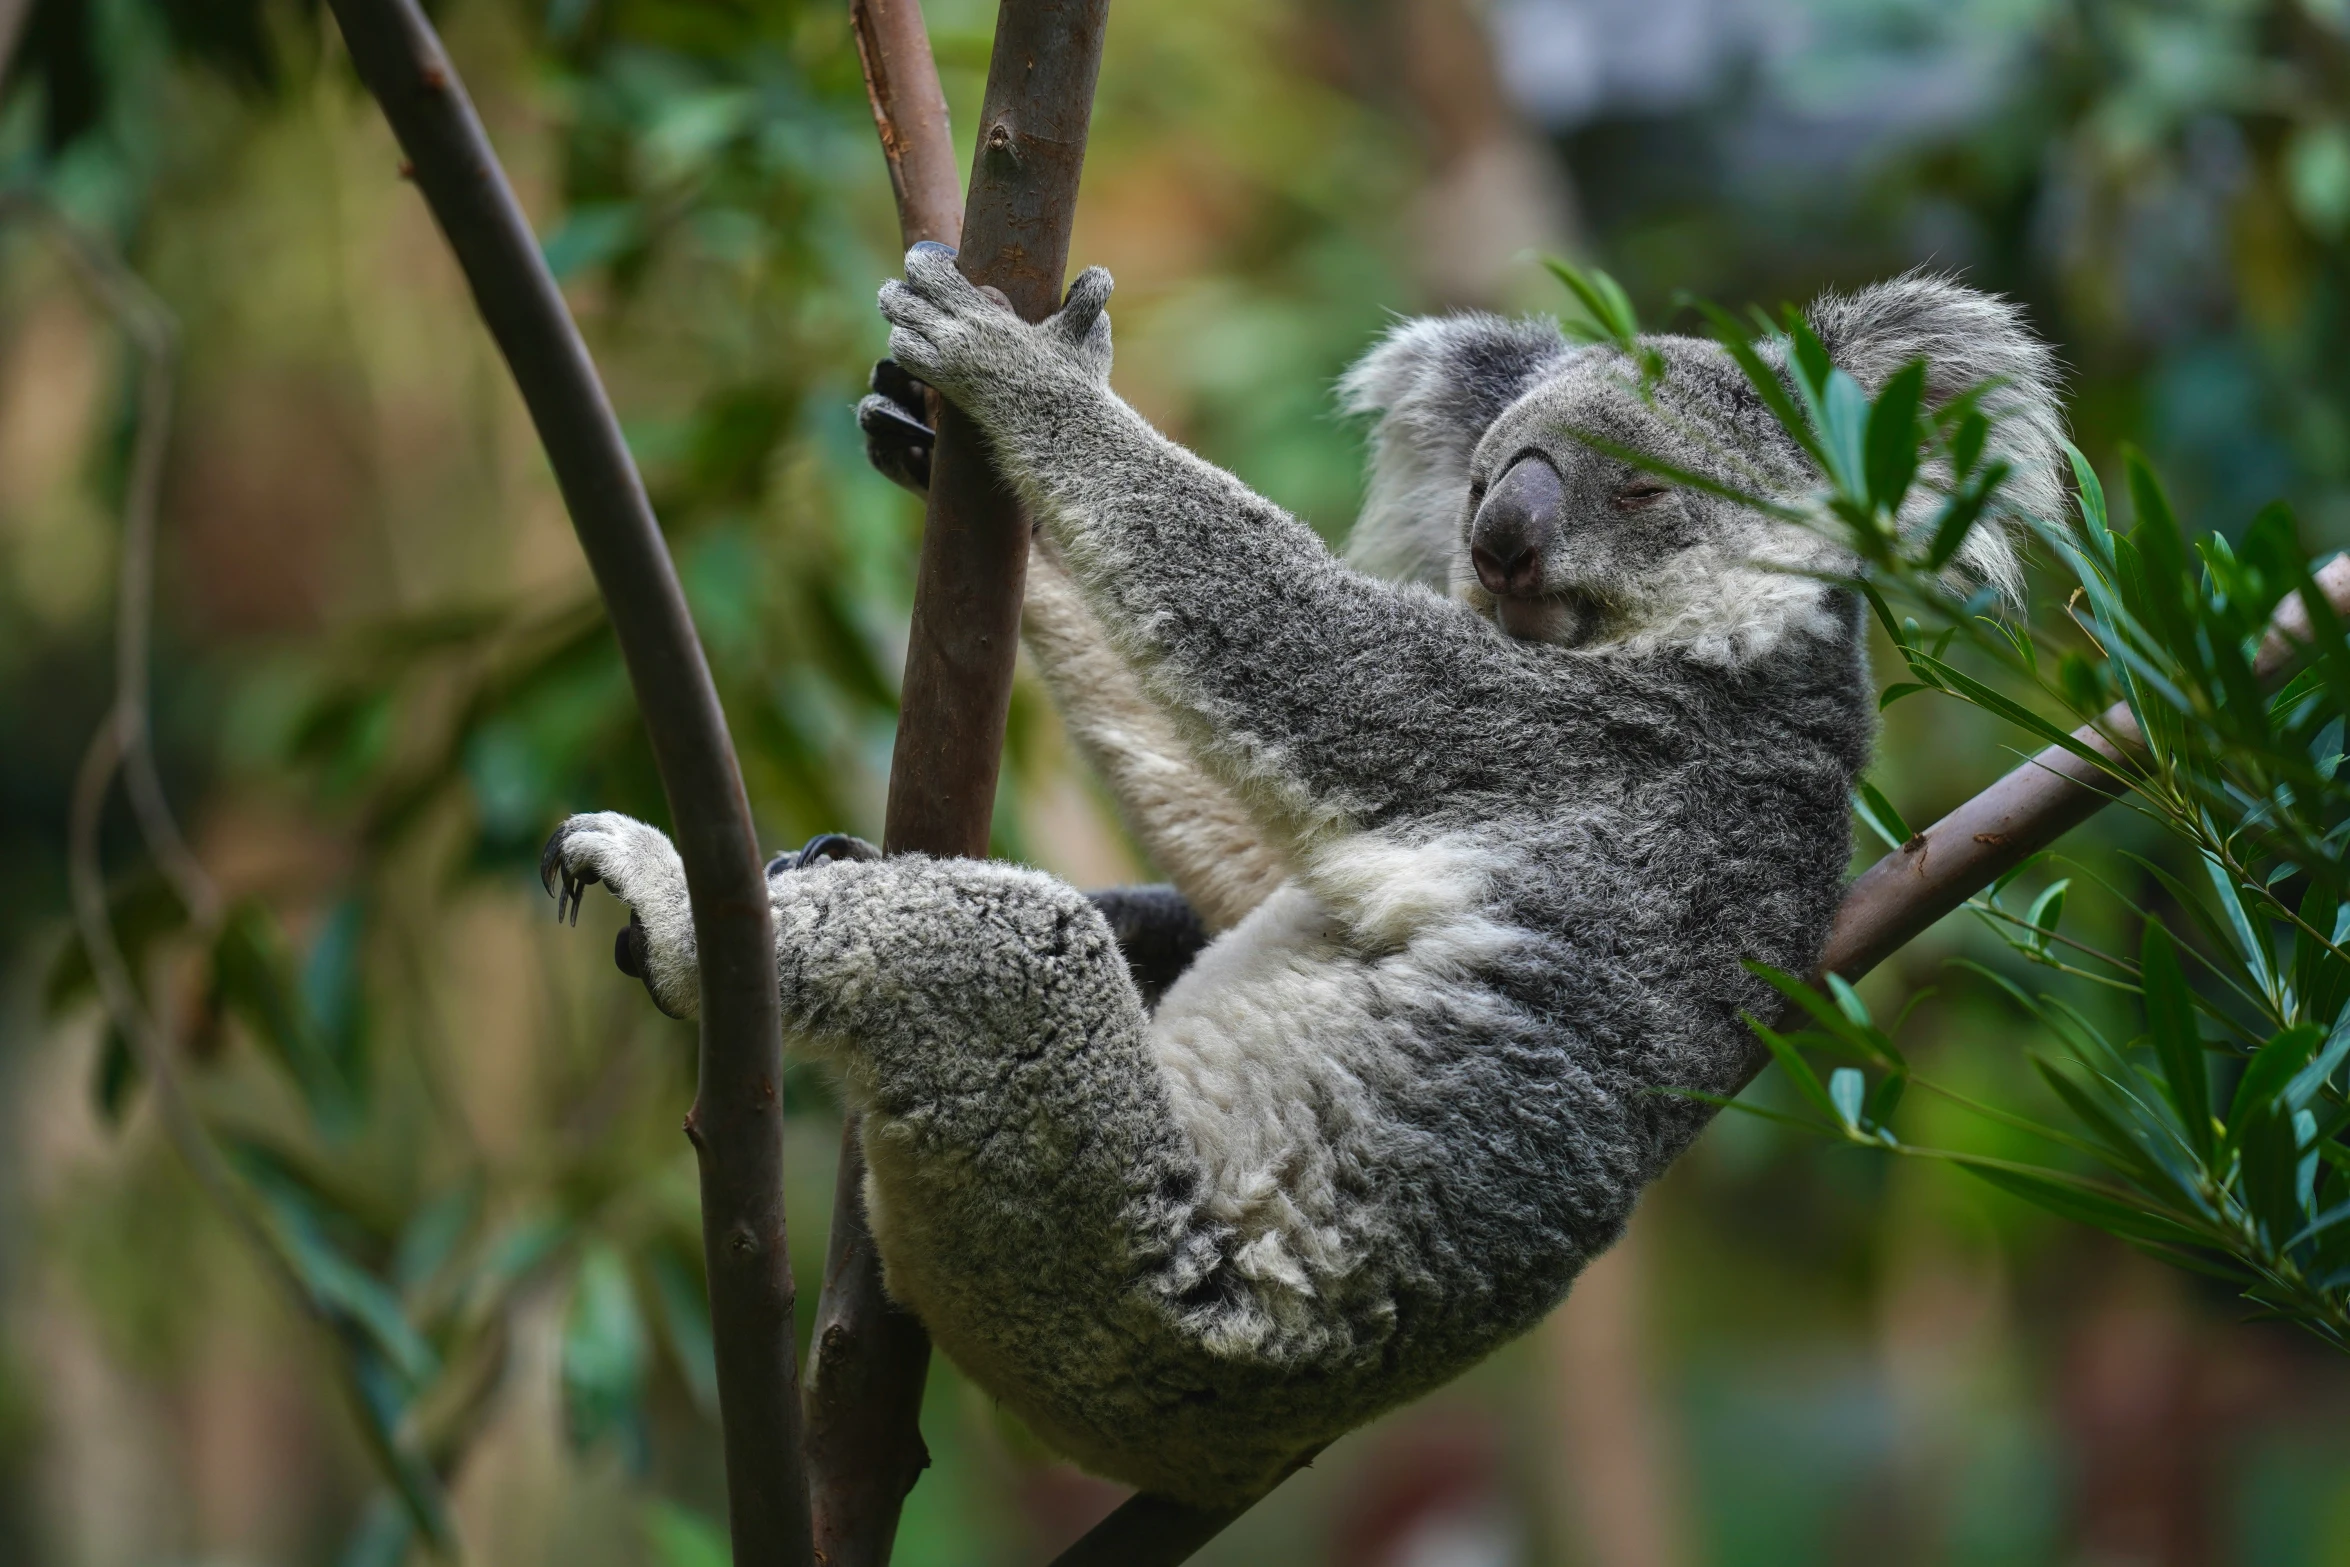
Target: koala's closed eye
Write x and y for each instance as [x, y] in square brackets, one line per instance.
[1639, 494]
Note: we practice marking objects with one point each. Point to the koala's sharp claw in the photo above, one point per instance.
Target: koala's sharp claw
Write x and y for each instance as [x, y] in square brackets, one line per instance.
[551, 861]
[934, 245]
[824, 846]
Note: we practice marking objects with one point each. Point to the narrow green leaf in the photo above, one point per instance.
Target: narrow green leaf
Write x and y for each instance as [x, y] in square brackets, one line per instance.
[604, 1356]
[2178, 1042]
[1765, 379]
[1798, 1070]
[2046, 911]
[1848, 1091]
[2084, 1202]
[2092, 498]
[1895, 693]
[2271, 1071]
[1892, 441]
[1871, 806]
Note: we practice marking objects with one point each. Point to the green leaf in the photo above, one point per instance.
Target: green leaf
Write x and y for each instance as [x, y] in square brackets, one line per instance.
[2250, 941]
[604, 1356]
[2269, 1074]
[2091, 492]
[1983, 696]
[1871, 806]
[1766, 381]
[1892, 441]
[1798, 1070]
[2046, 911]
[2271, 1188]
[1961, 512]
[2178, 1042]
[683, 1538]
[1607, 310]
[2123, 1148]
[1860, 1037]
[2084, 1202]
[1844, 415]
[1848, 1091]
[1895, 693]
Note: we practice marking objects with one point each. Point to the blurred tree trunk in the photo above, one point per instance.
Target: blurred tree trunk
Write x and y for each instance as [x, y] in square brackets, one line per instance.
[2139, 1426]
[1495, 188]
[1617, 1495]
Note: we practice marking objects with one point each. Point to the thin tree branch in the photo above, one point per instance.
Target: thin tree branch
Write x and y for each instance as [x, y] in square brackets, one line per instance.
[869, 1359]
[736, 1123]
[910, 114]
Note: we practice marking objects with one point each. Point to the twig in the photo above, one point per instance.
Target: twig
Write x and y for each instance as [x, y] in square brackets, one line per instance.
[736, 1122]
[147, 323]
[868, 1362]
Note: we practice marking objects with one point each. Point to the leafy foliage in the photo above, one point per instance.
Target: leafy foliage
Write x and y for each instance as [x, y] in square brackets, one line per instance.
[2159, 658]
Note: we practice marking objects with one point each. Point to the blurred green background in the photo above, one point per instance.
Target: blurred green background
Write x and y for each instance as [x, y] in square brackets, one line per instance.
[381, 677]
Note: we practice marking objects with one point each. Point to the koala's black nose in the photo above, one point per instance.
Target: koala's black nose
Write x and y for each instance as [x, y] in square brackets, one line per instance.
[1515, 526]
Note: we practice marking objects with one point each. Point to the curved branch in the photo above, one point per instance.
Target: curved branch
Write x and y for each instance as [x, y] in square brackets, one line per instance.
[737, 1119]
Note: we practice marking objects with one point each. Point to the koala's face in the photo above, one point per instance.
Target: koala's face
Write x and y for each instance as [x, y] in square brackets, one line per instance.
[1560, 542]
[1481, 481]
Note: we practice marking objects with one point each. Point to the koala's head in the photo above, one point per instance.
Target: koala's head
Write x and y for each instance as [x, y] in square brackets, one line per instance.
[1483, 486]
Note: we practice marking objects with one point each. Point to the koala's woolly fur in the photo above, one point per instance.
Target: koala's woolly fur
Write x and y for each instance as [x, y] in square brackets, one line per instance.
[1486, 896]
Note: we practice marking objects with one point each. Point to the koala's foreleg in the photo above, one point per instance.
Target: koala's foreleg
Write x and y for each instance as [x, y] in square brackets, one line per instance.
[1187, 820]
[1299, 681]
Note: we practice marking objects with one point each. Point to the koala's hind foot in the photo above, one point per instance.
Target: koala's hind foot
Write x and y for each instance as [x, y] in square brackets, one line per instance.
[642, 868]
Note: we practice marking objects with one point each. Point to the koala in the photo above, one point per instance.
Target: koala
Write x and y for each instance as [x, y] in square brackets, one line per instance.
[1479, 820]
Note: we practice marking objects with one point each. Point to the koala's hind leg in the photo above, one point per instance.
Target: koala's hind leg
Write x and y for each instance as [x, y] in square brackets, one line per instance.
[1033, 1195]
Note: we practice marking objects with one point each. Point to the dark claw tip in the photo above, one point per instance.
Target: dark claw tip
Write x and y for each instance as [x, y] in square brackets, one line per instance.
[550, 860]
[824, 846]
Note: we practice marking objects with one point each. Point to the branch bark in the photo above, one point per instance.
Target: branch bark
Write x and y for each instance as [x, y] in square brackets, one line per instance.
[736, 1122]
[868, 1360]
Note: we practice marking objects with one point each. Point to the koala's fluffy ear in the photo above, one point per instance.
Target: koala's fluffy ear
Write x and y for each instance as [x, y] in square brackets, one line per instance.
[1436, 385]
[1966, 338]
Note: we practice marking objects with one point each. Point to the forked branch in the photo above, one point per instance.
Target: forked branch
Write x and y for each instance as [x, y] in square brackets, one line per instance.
[867, 1364]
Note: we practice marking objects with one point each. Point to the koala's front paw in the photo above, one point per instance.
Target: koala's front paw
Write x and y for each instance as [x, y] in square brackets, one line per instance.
[642, 868]
[971, 346]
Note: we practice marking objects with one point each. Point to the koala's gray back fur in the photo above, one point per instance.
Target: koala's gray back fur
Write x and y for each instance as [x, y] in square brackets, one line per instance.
[1383, 1120]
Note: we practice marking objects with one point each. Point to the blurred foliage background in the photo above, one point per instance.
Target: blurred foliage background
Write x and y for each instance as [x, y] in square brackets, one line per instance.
[381, 676]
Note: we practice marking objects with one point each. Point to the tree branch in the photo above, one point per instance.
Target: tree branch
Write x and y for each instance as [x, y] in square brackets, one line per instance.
[869, 1359]
[737, 1119]
[1894, 901]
